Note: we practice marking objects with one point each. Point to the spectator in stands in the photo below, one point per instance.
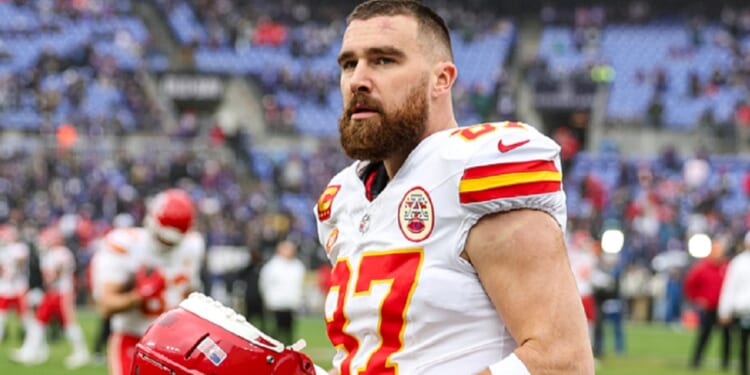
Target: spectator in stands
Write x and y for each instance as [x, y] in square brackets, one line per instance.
[655, 112]
[281, 284]
[703, 283]
[742, 121]
[569, 146]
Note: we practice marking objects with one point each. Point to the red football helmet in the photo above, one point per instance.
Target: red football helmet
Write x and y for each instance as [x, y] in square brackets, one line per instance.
[202, 336]
[170, 215]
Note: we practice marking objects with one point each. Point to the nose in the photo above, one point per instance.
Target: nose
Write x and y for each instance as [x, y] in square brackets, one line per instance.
[360, 80]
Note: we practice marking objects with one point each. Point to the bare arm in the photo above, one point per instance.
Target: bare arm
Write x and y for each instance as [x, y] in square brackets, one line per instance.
[113, 299]
[522, 262]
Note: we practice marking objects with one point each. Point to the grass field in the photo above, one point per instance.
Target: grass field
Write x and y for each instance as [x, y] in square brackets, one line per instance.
[651, 350]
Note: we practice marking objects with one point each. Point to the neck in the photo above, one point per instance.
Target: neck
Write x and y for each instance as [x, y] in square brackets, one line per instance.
[393, 164]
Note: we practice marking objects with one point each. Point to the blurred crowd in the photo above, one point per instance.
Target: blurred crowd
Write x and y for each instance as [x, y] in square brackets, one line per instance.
[252, 199]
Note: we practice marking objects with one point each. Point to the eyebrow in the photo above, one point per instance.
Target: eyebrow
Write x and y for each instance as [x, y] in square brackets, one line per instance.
[374, 51]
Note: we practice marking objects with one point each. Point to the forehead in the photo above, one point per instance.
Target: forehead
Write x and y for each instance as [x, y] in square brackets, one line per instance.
[397, 31]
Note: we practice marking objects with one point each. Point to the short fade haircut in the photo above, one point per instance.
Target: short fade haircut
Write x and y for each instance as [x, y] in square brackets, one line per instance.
[426, 18]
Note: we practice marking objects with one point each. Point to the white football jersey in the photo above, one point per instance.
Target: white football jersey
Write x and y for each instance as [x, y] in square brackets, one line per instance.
[583, 264]
[14, 269]
[402, 300]
[58, 267]
[124, 251]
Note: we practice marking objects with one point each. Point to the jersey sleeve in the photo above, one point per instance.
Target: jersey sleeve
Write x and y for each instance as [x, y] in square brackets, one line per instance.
[330, 207]
[111, 263]
[512, 166]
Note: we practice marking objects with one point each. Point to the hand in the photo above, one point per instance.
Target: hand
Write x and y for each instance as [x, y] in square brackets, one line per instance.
[149, 282]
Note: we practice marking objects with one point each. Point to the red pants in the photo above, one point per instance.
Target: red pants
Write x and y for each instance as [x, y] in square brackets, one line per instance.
[120, 353]
[18, 302]
[56, 305]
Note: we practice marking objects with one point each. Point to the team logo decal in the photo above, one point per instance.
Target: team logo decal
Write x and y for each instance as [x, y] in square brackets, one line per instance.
[364, 224]
[416, 215]
[326, 201]
[331, 240]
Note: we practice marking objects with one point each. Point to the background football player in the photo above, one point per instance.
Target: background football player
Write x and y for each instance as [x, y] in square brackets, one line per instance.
[58, 302]
[14, 277]
[141, 272]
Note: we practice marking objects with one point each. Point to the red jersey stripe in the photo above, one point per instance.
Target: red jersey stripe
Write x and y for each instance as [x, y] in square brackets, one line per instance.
[503, 168]
[531, 188]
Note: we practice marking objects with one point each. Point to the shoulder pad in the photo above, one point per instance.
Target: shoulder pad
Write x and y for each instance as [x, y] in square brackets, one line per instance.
[508, 166]
[324, 206]
[119, 240]
[507, 160]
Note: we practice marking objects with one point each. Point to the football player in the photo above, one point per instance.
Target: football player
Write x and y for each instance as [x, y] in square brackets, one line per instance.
[57, 264]
[446, 242]
[584, 262]
[14, 277]
[202, 336]
[141, 272]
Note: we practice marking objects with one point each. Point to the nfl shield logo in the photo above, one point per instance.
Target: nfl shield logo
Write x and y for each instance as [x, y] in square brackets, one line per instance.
[364, 224]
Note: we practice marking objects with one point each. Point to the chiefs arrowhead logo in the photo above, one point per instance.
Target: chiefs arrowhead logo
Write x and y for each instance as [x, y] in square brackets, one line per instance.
[326, 201]
[509, 147]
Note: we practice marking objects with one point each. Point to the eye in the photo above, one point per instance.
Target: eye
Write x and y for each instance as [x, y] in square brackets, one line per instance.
[348, 64]
[384, 60]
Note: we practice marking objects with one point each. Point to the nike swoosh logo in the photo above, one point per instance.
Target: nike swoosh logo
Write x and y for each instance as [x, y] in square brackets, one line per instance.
[505, 148]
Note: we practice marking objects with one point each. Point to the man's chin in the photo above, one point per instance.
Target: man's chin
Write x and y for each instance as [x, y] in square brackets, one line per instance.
[366, 154]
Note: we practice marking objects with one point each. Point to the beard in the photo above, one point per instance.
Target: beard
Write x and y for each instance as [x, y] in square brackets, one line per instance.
[386, 134]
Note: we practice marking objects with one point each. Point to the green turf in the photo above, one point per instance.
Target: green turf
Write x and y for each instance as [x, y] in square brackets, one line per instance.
[651, 350]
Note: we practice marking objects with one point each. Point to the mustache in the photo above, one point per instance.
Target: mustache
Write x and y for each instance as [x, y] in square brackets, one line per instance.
[360, 99]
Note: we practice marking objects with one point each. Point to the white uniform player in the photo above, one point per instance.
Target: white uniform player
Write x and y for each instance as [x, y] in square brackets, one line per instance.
[57, 264]
[398, 274]
[14, 277]
[124, 251]
[139, 273]
[583, 263]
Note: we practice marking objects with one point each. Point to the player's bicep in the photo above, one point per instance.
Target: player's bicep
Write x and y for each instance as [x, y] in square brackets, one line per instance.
[520, 259]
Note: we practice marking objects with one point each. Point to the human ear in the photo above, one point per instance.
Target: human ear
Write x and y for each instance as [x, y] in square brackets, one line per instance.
[445, 74]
